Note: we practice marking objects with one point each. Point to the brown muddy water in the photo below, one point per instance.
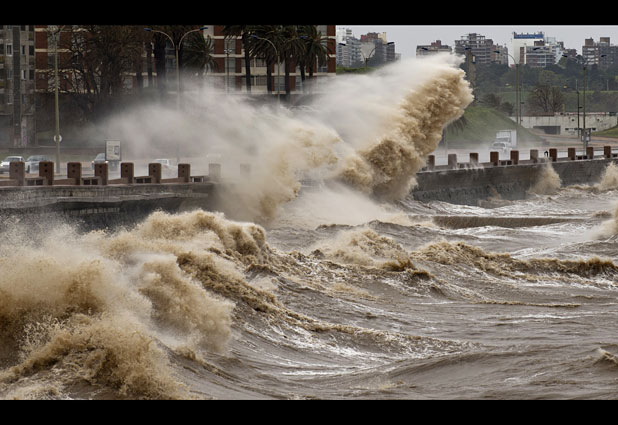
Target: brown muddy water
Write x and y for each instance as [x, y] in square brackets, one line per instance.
[347, 289]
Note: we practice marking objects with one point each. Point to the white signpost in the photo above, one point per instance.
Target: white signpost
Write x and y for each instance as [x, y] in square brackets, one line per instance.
[112, 150]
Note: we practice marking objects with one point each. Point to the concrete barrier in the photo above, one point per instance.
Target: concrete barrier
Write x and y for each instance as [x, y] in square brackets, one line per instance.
[571, 154]
[553, 154]
[534, 155]
[514, 157]
[474, 159]
[101, 171]
[214, 172]
[74, 171]
[431, 162]
[494, 158]
[589, 152]
[452, 160]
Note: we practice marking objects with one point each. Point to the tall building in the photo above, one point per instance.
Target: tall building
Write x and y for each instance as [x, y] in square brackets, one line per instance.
[376, 50]
[602, 53]
[17, 102]
[348, 49]
[230, 74]
[519, 42]
[476, 46]
[432, 49]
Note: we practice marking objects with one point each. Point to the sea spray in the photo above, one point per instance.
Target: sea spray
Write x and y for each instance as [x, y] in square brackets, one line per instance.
[609, 180]
[386, 167]
[372, 132]
[548, 182]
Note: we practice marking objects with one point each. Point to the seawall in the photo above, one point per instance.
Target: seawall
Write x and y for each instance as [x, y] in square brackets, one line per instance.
[470, 183]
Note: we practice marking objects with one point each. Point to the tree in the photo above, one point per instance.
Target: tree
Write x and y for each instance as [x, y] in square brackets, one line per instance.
[546, 99]
[244, 31]
[316, 50]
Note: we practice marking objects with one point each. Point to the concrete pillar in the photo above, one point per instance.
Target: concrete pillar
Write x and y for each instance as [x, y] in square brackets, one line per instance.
[184, 172]
[431, 162]
[572, 153]
[74, 171]
[515, 157]
[589, 152]
[17, 171]
[474, 159]
[127, 171]
[46, 169]
[553, 154]
[214, 172]
[494, 157]
[245, 170]
[101, 170]
[154, 170]
[534, 155]
[452, 160]
[607, 151]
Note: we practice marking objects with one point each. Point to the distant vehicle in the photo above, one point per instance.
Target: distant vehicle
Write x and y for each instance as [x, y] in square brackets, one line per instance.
[100, 158]
[32, 163]
[166, 164]
[4, 165]
[505, 141]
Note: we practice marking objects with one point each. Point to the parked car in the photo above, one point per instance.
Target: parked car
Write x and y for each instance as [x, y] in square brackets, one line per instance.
[32, 163]
[99, 158]
[166, 164]
[113, 165]
[4, 165]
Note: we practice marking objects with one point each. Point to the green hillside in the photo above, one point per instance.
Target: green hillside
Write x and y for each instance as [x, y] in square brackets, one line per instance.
[610, 132]
[481, 126]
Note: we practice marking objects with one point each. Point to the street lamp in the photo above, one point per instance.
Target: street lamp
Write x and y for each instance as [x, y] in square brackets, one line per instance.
[517, 89]
[584, 62]
[227, 68]
[369, 56]
[57, 138]
[176, 48]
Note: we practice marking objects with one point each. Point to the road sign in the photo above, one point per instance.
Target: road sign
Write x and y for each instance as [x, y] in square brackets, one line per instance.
[57, 138]
[112, 150]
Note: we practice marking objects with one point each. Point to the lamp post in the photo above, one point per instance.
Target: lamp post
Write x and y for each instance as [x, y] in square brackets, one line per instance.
[517, 92]
[176, 49]
[278, 65]
[584, 62]
[57, 138]
[227, 68]
[369, 56]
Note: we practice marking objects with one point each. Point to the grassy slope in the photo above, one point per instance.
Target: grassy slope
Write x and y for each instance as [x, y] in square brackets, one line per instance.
[483, 123]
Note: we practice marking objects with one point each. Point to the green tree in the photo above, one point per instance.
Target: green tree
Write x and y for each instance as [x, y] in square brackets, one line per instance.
[244, 31]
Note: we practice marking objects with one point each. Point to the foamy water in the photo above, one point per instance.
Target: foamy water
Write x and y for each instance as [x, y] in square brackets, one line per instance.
[332, 292]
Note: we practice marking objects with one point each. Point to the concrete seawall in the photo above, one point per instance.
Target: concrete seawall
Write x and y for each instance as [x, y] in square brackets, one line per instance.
[467, 184]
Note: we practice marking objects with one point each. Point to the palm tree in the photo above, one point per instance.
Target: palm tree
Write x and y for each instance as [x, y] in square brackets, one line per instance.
[261, 43]
[291, 51]
[244, 31]
[316, 49]
[197, 54]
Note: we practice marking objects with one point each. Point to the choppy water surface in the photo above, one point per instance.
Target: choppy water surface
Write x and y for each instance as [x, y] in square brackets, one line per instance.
[195, 305]
[348, 289]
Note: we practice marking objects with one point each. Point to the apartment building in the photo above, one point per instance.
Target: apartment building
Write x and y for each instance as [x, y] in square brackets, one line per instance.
[432, 49]
[230, 74]
[17, 101]
[602, 52]
[476, 46]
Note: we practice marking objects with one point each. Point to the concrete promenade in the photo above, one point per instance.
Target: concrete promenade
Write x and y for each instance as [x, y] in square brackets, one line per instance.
[98, 201]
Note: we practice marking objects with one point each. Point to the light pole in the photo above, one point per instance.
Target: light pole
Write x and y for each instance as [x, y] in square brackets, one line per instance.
[369, 56]
[176, 49]
[57, 138]
[227, 68]
[278, 65]
[584, 62]
[517, 92]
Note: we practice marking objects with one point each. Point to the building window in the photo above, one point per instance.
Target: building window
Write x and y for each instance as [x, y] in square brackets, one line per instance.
[9, 49]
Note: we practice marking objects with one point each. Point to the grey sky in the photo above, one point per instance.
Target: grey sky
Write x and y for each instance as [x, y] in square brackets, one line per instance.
[407, 37]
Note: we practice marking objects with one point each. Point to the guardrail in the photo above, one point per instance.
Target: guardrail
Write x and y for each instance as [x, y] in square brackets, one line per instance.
[18, 177]
[495, 161]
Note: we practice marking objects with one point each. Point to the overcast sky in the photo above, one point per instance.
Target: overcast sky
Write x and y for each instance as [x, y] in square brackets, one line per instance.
[407, 37]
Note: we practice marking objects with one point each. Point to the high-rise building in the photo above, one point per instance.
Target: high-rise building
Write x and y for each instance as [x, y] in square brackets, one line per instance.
[348, 49]
[230, 74]
[17, 102]
[602, 53]
[475, 46]
[433, 48]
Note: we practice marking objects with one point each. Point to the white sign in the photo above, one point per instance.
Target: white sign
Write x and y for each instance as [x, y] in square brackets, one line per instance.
[112, 150]
[57, 138]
